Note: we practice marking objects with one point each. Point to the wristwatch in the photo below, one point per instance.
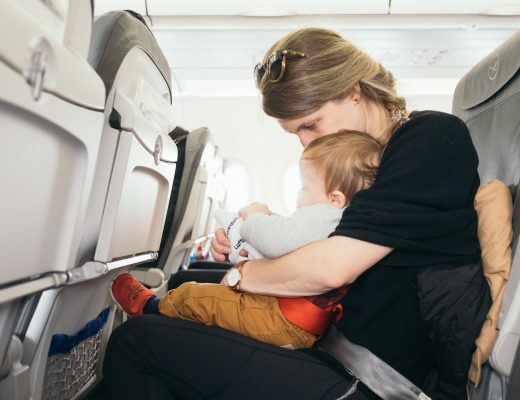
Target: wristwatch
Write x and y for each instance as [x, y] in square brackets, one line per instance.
[234, 275]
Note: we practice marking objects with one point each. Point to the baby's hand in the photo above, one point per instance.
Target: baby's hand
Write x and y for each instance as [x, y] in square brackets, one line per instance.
[254, 208]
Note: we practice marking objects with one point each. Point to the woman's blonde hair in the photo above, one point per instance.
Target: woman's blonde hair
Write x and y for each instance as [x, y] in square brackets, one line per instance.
[348, 160]
[329, 71]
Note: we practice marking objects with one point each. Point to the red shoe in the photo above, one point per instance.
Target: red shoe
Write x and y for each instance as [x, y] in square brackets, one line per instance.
[130, 294]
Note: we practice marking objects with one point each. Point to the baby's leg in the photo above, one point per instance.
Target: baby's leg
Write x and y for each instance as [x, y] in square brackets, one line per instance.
[131, 295]
[251, 315]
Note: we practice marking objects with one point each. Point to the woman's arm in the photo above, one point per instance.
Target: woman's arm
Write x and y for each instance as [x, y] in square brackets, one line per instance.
[313, 269]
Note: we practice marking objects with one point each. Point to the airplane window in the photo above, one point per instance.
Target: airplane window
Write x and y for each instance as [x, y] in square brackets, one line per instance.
[237, 182]
[291, 186]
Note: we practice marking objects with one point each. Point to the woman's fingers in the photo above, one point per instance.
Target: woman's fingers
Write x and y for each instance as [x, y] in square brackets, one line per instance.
[222, 239]
[220, 246]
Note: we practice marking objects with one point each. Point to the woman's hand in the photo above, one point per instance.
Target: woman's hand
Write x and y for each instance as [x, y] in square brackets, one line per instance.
[253, 208]
[220, 246]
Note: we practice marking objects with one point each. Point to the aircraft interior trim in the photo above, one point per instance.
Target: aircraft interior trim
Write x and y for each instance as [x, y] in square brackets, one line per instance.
[127, 124]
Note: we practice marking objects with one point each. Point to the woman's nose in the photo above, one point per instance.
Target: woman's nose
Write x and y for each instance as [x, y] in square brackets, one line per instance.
[304, 141]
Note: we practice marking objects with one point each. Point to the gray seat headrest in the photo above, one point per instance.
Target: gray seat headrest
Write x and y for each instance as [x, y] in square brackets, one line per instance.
[491, 74]
[488, 99]
[114, 34]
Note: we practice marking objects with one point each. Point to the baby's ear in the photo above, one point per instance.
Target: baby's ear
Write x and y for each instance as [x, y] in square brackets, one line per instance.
[338, 199]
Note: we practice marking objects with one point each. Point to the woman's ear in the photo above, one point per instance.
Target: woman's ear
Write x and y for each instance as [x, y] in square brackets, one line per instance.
[338, 199]
[355, 93]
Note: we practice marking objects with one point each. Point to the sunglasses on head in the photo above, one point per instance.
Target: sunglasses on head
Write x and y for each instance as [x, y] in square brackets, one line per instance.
[275, 65]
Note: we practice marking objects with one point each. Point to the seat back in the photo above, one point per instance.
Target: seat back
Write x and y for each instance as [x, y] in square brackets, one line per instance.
[198, 193]
[126, 210]
[180, 137]
[488, 99]
[124, 52]
[47, 159]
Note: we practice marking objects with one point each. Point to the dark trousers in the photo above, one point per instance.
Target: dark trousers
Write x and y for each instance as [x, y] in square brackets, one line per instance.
[155, 357]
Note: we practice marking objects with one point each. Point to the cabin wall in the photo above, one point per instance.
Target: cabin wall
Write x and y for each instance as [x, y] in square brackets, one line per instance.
[244, 133]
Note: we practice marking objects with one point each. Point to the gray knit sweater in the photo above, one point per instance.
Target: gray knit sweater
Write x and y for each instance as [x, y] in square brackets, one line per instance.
[274, 235]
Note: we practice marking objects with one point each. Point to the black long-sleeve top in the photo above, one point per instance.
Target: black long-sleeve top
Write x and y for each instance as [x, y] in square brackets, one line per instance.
[421, 205]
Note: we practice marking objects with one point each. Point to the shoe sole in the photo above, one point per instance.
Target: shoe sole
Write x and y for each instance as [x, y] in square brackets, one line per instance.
[112, 295]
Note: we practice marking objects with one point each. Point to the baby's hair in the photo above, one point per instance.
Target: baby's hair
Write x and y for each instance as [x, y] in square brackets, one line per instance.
[348, 160]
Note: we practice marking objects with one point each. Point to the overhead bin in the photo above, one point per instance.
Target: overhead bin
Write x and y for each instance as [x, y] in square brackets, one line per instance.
[103, 6]
[267, 9]
[496, 7]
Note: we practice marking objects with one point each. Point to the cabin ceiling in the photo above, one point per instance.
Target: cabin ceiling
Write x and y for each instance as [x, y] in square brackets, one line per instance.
[311, 7]
[212, 46]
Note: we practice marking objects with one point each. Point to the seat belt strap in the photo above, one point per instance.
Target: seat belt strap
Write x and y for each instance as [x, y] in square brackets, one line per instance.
[377, 375]
[514, 378]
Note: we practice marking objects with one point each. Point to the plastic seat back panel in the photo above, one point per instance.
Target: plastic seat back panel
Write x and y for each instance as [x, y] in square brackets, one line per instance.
[143, 168]
[201, 191]
[133, 176]
[48, 158]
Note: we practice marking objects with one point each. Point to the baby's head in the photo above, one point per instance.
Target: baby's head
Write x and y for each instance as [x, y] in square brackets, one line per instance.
[335, 167]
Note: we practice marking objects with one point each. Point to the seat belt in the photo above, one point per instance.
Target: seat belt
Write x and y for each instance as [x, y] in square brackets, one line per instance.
[514, 378]
[377, 375]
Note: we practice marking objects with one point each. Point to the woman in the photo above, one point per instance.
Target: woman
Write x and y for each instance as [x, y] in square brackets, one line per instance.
[416, 222]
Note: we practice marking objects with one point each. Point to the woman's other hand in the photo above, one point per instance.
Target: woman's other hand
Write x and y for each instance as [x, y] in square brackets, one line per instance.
[220, 246]
[254, 208]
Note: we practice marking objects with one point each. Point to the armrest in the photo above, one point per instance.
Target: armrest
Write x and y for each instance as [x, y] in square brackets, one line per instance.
[213, 265]
[197, 275]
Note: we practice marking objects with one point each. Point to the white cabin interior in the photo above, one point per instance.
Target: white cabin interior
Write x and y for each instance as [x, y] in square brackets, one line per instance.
[90, 177]
[212, 48]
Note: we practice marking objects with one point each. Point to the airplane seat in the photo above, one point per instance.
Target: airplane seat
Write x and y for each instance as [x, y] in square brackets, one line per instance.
[219, 193]
[179, 137]
[47, 158]
[126, 211]
[488, 99]
[199, 267]
[198, 192]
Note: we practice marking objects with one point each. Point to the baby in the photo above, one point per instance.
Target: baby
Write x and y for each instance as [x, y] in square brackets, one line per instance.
[332, 170]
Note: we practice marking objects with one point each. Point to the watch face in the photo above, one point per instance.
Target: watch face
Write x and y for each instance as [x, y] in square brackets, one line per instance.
[233, 277]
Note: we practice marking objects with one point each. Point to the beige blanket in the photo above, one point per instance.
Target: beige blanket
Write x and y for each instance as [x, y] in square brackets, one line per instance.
[494, 208]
